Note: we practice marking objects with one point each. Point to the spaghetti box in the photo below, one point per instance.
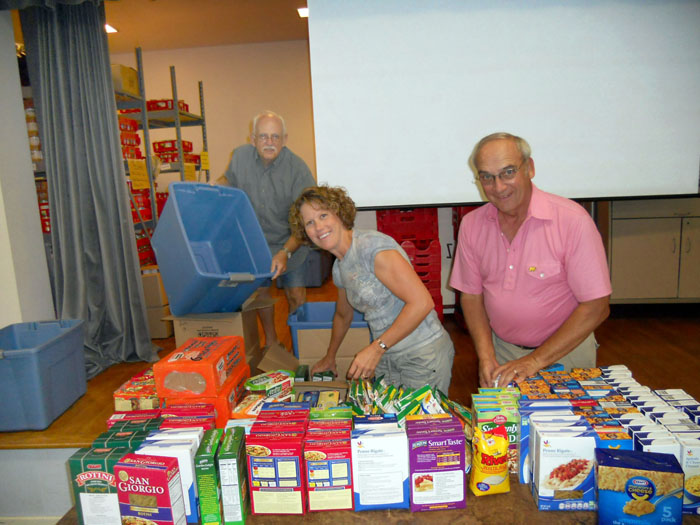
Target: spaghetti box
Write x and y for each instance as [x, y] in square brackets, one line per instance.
[632, 487]
[199, 367]
[436, 463]
[211, 250]
[94, 485]
[131, 439]
[149, 490]
[42, 372]
[275, 473]
[232, 472]
[328, 468]
[207, 473]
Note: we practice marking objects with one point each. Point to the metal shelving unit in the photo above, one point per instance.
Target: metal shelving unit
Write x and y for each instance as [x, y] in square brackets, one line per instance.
[160, 119]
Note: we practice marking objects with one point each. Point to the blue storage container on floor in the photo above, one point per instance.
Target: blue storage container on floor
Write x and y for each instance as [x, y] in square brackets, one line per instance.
[319, 315]
[42, 372]
[210, 249]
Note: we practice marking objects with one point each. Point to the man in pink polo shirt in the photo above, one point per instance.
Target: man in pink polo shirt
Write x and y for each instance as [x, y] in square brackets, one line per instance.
[531, 268]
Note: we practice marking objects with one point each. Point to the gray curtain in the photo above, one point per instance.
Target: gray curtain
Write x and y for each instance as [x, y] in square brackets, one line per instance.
[95, 265]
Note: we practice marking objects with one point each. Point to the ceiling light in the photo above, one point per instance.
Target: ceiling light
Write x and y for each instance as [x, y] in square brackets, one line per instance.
[110, 29]
[303, 12]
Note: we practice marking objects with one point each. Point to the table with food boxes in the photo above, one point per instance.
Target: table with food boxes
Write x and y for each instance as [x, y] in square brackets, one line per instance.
[208, 436]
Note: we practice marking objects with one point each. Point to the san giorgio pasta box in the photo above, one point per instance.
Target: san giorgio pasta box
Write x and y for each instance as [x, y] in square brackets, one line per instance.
[149, 490]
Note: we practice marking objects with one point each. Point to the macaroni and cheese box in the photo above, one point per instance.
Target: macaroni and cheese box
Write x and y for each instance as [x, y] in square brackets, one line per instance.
[436, 463]
[232, 472]
[275, 473]
[199, 367]
[638, 487]
[328, 468]
[690, 462]
[94, 485]
[149, 490]
[207, 474]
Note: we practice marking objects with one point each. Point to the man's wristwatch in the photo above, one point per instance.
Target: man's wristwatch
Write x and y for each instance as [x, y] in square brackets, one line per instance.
[287, 251]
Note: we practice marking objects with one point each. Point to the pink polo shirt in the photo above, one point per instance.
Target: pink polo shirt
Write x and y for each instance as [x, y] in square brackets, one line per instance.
[532, 285]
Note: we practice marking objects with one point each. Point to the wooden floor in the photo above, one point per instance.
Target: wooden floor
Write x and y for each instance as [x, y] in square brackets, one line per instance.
[659, 343]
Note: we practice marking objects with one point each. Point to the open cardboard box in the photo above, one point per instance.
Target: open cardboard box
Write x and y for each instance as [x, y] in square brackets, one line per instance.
[243, 323]
[275, 358]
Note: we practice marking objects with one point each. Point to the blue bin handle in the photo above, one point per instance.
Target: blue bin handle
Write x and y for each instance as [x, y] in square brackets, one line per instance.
[235, 278]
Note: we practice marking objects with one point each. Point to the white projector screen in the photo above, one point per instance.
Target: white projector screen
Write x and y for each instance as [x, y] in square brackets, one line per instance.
[607, 93]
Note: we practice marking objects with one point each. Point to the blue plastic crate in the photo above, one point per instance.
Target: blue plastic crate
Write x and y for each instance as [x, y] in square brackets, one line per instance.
[42, 372]
[312, 316]
[210, 249]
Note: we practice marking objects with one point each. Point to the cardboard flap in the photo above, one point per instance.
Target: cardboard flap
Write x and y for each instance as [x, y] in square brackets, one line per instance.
[276, 357]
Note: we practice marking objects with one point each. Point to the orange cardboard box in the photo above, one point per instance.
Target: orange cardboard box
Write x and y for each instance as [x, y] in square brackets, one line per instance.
[225, 401]
[199, 367]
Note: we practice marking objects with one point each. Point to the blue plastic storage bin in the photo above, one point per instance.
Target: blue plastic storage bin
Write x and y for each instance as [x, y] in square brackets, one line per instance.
[42, 372]
[312, 316]
[210, 249]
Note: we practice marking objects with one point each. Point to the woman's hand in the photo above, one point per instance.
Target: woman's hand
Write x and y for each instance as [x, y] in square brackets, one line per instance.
[324, 364]
[366, 360]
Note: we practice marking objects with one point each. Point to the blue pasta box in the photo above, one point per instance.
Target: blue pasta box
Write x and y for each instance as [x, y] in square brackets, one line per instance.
[636, 487]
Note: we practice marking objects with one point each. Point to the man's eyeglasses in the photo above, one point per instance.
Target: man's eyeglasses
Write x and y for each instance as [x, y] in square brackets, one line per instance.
[264, 137]
[506, 175]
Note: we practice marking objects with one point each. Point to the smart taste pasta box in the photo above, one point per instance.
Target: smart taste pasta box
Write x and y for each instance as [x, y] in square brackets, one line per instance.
[636, 487]
[328, 469]
[275, 472]
[149, 490]
[436, 463]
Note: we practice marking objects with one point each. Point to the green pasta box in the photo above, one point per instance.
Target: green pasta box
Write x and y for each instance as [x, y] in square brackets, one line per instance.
[206, 471]
[232, 473]
[123, 438]
[94, 485]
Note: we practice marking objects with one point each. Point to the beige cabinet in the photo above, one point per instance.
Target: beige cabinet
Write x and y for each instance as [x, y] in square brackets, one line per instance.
[655, 250]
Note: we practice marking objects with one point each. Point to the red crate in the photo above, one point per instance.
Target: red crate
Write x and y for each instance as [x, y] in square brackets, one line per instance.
[44, 217]
[423, 252]
[131, 152]
[127, 124]
[413, 216]
[161, 199]
[171, 145]
[165, 103]
[129, 138]
[458, 212]
[172, 156]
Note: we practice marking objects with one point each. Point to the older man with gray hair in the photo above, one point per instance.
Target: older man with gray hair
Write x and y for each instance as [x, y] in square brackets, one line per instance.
[531, 268]
[273, 177]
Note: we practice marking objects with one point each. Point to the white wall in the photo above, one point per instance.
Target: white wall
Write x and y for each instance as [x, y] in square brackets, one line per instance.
[24, 278]
[239, 81]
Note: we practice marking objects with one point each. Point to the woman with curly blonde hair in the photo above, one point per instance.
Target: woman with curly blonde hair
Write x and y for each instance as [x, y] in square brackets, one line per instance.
[374, 276]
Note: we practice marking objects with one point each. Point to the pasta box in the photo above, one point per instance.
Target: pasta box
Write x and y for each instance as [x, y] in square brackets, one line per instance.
[232, 472]
[636, 487]
[436, 465]
[207, 473]
[94, 485]
[275, 473]
[328, 469]
[149, 490]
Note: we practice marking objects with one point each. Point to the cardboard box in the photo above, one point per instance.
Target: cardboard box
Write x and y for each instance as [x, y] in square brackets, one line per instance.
[243, 323]
[125, 79]
[158, 325]
[153, 290]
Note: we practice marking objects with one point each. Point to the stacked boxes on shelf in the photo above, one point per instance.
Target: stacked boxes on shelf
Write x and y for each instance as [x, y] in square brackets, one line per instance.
[166, 151]
[416, 230]
[129, 138]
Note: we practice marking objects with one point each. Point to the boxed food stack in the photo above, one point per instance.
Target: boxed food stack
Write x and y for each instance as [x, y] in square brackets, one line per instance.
[138, 393]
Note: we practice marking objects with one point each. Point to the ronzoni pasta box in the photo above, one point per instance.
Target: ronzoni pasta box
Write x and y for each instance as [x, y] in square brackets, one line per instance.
[149, 490]
[94, 485]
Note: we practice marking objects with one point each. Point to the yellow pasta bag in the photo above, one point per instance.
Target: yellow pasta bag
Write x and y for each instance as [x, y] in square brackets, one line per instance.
[490, 462]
